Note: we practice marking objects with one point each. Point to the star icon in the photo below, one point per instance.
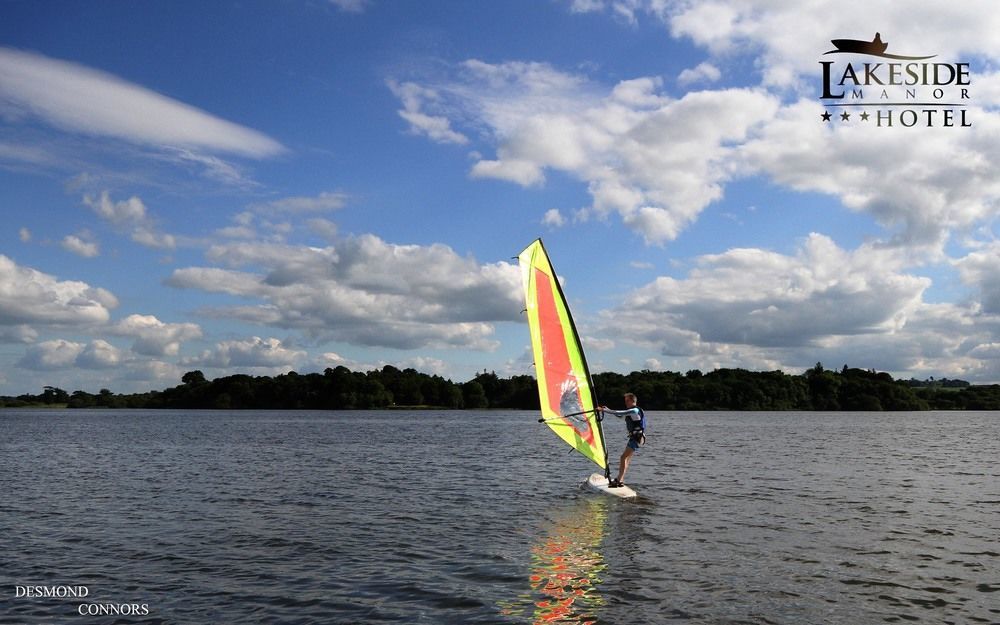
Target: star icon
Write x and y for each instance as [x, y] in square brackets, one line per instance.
[864, 116]
[826, 116]
[845, 116]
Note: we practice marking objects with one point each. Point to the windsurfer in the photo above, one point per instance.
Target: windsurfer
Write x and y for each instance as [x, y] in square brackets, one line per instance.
[635, 421]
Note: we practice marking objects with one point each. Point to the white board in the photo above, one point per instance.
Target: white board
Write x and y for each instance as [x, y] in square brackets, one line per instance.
[598, 482]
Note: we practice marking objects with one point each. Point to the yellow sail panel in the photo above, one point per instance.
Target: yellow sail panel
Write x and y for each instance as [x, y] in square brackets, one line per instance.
[564, 388]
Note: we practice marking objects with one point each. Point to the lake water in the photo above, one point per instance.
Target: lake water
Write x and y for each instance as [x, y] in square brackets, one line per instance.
[476, 517]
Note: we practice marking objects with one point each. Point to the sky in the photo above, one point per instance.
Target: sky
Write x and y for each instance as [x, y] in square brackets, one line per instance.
[261, 187]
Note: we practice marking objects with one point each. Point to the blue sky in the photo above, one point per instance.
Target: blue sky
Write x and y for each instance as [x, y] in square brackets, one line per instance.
[259, 187]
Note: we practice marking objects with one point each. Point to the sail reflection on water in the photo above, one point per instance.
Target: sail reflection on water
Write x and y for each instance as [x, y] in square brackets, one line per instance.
[566, 567]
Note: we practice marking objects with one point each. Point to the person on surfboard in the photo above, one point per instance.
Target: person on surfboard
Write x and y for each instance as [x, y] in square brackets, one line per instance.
[635, 421]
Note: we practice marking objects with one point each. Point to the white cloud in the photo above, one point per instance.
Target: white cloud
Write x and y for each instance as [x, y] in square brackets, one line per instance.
[81, 244]
[28, 296]
[703, 72]
[153, 239]
[99, 354]
[123, 213]
[519, 171]
[415, 100]
[787, 39]
[253, 352]
[51, 355]
[324, 202]
[242, 228]
[215, 280]
[981, 269]
[553, 218]
[152, 374]
[131, 216]
[764, 299]
[350, 6]
[364, 291]
[213, 167]
[941, 340]
[331, 360]
[23, 154]
[586, 6]
[323, 228]
[431, 366]
[153, 337]
[922, 185]
[61, 354]
[655, 161]
[987, 90]
[762, 310]
[21, 333]
[24, 234]
[986, 351]
[84, 100]
[624, 10]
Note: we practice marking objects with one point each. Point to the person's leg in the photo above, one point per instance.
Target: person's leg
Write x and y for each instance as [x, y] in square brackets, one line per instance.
[623, 464]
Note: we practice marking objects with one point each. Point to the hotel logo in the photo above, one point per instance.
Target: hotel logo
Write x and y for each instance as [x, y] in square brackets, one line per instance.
[892, 90]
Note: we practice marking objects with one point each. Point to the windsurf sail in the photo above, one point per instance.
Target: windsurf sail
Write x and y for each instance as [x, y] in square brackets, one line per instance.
[568, 401]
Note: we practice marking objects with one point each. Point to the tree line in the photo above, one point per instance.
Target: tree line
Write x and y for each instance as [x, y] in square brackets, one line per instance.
[389, 387]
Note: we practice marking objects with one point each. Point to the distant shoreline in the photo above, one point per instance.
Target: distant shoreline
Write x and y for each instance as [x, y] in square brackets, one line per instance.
[818, 389]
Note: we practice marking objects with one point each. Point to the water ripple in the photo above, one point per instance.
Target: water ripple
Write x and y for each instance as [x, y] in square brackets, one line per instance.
[216, 517]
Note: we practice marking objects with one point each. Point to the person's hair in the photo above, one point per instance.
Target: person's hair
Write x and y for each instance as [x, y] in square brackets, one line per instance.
[632, 395]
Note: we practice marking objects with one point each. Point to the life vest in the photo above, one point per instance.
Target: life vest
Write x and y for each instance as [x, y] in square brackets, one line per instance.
[636, 429]
[636, 426]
